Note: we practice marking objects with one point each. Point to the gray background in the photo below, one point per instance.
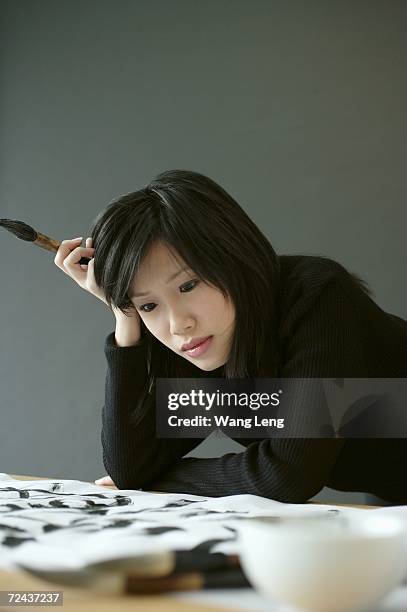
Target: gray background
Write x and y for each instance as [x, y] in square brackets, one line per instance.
[296, 108]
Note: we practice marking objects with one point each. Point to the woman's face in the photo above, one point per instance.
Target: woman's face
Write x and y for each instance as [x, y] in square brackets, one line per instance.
[178, 308]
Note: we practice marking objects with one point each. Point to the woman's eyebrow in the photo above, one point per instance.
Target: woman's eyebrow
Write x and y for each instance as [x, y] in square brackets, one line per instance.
[171, 278]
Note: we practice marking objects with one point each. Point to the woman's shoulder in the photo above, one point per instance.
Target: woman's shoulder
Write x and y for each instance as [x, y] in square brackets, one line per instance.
[307, 275]
[304, 278]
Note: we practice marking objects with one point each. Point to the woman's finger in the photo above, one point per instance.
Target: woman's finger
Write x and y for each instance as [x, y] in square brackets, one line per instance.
[70, 263]
[74, 256]
[105, 480]
[65, 248]
[88, 243]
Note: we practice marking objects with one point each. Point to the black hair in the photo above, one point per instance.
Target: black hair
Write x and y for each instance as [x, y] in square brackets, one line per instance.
[200, 222]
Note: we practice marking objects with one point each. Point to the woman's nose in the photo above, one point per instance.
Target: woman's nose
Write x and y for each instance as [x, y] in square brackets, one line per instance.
[180, 324]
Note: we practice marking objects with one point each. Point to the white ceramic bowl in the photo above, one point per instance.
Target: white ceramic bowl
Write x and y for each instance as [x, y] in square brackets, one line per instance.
[399, 512]
[324, 565]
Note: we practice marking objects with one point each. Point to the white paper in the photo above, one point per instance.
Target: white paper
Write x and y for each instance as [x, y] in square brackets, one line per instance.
[58, 524]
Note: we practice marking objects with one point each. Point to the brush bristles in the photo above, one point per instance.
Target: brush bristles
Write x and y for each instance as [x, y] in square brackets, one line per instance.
[19, 229]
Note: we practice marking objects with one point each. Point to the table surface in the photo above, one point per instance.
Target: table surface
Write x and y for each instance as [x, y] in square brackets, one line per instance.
[76, 600]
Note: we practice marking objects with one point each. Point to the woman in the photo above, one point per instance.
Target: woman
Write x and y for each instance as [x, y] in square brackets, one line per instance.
[204, 269]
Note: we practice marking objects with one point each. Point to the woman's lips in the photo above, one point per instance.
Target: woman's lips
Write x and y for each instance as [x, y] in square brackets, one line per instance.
[200, 349]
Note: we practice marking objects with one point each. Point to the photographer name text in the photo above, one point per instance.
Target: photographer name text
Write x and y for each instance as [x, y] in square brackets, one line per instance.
[225, 421]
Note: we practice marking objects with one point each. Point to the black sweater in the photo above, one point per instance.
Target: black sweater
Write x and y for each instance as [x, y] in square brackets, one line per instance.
[328, 327]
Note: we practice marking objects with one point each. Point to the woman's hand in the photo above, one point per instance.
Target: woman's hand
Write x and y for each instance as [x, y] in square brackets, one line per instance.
[67, 259]
[106, 481]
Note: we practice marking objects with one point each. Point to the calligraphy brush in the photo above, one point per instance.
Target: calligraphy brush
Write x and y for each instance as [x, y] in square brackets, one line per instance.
[155, 564]
[179, 570]
[25, 232]
[116, 582]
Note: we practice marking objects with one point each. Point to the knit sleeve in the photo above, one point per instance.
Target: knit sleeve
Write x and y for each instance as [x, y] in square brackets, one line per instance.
[324, 342]
[132, 454]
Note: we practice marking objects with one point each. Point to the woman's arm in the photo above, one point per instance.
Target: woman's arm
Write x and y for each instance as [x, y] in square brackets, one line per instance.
[132, 453]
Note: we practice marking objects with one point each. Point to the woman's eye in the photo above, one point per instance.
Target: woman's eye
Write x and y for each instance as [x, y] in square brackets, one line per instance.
[143, 307]
[188, 286]
[184, 289]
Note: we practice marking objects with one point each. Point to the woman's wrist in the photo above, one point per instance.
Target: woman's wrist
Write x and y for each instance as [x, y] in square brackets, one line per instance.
[127, 331]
